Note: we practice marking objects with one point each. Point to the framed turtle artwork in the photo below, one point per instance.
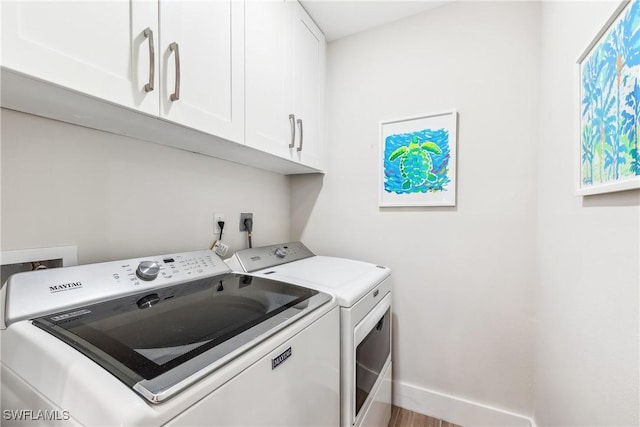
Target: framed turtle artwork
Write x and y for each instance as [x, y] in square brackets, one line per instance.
[418, 161]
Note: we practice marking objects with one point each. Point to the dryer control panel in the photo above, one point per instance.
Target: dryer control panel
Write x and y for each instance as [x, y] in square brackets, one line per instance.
[255, 259]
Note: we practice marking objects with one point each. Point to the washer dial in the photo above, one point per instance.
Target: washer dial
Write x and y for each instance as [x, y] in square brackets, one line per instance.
[148, 270]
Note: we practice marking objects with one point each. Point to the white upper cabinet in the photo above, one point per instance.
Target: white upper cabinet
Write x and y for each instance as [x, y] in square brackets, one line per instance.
[269, 92]
[239, 80]
[202, 64]
[188, 69]
[97, 48]
[284, 75]
[308, 88]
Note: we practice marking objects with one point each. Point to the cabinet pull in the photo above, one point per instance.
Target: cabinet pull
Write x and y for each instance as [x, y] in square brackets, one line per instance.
[292, 121]
[176, 94]
[148, 33]
[301, 134]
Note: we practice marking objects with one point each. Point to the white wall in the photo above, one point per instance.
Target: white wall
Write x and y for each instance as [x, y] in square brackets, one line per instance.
[117, 197]
[464, 277]
[589, 254]
[468, 280]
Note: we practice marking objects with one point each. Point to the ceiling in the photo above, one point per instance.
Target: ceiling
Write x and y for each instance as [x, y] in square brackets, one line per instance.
[341, 18]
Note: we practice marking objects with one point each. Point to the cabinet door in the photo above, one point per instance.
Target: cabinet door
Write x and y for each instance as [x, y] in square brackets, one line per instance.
[97, 48]
[268, 51]
[308, 88]
[202, 83]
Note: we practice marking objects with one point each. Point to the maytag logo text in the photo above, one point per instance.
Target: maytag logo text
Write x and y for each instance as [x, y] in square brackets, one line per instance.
[65, 287]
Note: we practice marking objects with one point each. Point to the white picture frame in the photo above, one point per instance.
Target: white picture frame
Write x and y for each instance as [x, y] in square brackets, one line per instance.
[608, 102]
[417, 160]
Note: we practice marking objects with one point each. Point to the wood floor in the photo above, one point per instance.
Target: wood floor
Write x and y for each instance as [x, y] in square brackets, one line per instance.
[401, 417]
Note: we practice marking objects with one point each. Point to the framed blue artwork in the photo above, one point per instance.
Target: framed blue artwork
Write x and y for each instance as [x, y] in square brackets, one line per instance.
[418, 161]
[609, 106]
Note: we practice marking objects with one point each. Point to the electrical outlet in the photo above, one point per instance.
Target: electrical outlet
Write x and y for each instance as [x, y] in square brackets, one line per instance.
[244, 216]
[217, 217]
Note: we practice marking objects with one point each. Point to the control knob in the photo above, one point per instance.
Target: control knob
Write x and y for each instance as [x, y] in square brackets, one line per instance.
[280, 252]
[148, 270]
[148, 301]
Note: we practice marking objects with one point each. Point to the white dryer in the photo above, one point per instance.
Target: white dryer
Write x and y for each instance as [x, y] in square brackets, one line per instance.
[363, 291]
[166, 340]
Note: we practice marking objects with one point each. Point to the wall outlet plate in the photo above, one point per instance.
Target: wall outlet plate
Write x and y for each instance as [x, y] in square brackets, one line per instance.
[244, 216]
[216, 218]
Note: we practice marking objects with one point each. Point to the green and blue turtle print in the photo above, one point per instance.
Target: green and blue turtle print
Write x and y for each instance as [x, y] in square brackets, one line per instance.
[417, 162]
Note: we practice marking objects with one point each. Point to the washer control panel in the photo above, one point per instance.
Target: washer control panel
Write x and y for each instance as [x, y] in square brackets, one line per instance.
[37, 293]
[168, 267]
[255, 259]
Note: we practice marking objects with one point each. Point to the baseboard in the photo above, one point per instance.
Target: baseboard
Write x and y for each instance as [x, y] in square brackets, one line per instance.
[454, 409]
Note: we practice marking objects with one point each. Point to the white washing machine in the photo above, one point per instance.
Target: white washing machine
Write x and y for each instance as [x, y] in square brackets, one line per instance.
[363, 291]
[167, 340]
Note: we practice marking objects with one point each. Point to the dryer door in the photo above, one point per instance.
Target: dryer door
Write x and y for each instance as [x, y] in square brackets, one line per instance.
[372, 351]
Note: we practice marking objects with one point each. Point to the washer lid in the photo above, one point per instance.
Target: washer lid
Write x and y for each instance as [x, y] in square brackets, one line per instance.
[348, 280]
[159, 342]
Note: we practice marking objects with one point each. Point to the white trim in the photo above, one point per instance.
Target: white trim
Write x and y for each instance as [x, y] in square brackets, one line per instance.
[633, 183]
[455, 409]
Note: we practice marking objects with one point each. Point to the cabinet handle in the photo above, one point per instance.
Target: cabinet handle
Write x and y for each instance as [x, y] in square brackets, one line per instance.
[148, 33]
[301, 135]
[176, 94]
[292, 121]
